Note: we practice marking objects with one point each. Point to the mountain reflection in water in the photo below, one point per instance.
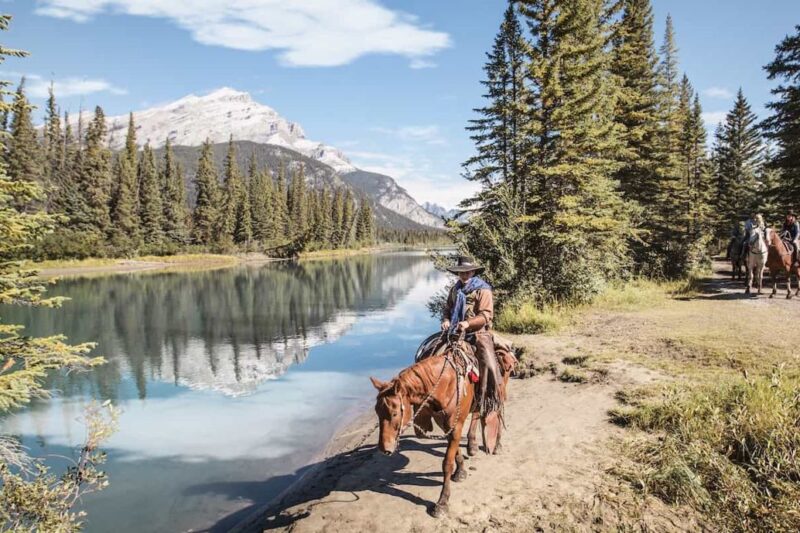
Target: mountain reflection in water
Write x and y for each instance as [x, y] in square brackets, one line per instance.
[223, 398]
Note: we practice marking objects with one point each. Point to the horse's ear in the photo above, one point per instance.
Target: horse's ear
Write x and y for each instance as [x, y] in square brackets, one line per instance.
[378, 384]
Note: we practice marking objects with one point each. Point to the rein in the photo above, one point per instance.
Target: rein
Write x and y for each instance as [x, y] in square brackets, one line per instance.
[454, 349]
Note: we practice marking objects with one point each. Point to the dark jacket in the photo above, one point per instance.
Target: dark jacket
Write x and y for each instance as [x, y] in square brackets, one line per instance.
[792, 229]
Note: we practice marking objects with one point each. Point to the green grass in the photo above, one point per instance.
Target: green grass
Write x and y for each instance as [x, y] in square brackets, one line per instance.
[527, 317]
[730, 448]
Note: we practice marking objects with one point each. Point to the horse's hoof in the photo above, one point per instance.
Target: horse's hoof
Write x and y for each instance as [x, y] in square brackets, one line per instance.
[439, 510]
[460, 475]
[472, 449]
[771, 295]
[498, 450]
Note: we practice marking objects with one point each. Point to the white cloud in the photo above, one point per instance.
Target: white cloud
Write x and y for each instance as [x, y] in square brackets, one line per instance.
[415, 174]
[712, 118]
[429, 134]
[308, 32]
[718, 92]
[37, 86]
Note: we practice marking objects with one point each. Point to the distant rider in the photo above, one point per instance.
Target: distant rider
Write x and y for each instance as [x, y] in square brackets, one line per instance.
[755, 222]
[791, 233]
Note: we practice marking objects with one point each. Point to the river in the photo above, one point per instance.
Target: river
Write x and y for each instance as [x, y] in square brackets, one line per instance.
[230, 381]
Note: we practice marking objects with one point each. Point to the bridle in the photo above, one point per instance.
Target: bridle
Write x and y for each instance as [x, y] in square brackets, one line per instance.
[454, 345]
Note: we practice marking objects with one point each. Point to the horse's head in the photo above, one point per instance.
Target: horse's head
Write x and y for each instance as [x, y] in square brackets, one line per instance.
[393, 412]
[757, 242]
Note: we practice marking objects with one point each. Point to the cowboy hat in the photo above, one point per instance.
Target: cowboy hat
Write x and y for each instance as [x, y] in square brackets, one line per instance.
[466, 264]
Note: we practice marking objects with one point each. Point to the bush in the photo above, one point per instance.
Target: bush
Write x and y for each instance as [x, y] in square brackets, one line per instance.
[732, 450]
[527, 317]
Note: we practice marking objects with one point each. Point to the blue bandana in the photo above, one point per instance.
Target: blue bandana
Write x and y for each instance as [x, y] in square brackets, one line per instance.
[460, 307]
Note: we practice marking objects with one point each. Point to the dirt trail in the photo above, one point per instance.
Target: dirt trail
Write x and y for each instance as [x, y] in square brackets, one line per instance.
[549, 477]
[558, 447]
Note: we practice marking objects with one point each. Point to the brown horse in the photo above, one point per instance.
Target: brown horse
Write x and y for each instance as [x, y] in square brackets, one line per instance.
[441, 384]
[492, 424]
[779, 259]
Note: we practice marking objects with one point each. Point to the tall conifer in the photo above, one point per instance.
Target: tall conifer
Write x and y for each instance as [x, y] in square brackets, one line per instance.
[95, 171]
[23, 157]
[206, 211]
[151, 212]
[173, 198]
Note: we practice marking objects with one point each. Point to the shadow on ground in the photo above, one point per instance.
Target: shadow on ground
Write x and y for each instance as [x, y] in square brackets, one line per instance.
[385, 476]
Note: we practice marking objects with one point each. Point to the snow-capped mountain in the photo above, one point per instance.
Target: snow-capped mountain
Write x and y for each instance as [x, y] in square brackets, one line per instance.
[216, 116]
[439, 211]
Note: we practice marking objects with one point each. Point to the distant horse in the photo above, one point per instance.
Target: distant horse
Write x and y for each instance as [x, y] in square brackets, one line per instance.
[735, 256]
[779, 259]
[441, 384]
[756, 259]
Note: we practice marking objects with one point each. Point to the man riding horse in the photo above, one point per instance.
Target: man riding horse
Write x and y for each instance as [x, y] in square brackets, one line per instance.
[470, 309]
[790, 233]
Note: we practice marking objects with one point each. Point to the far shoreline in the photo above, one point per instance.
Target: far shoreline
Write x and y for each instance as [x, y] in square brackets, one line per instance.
[99, 266]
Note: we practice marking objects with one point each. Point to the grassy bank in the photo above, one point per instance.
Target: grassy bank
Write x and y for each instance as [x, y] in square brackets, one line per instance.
[720, 429]
[526, 316]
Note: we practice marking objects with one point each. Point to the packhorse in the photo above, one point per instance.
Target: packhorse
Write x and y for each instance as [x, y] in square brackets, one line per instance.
[735, 256]
[442, 383]
[779, 259]
[757, 251]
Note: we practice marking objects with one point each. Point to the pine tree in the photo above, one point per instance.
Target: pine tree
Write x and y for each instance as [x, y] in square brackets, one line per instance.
[578, 228]
[634, 65]
[337, 219]
[206, 211]
[348, 219]
[499, 133]
[125, 233]
[323, 230]
[261, 198]
[280, 207]
[23, 156]
[740, 152]
[298, 204]
[783, 127]
[173, 196]
[53, 140]
[232, 197]
[95, 181]
[365, 232]
[151, 212]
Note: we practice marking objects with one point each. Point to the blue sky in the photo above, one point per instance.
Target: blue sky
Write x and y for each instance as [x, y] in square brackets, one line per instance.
[391, 83]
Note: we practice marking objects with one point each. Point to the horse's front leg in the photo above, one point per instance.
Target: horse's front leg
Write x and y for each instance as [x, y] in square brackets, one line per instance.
[774, 280]
[472, 434]
[789, 284]
[760, 279]
[448, 465]
[748, 280]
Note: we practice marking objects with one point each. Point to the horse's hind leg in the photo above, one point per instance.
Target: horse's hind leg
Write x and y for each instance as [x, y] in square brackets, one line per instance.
[788, 284]
[774, 279]
[448, 465]
[461, 472]
[472, 434]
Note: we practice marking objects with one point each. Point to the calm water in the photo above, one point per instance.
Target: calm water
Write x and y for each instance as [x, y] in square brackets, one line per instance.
[230, 381]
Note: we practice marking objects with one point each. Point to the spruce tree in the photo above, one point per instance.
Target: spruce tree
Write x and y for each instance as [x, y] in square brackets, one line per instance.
[634, 64]
[783, 127]
[95, 180]
[206, 211]
[323, 229]
[280, 204]
[261, 199]
[740, 152]
[173, 196]
[232, 197]
[364, 226]
[151, 213]
[298, 203]
[337, 218]
[124, 217]
[348, 219]
[23, 156]
[578, 227]
[499, 132]
[53, 140]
